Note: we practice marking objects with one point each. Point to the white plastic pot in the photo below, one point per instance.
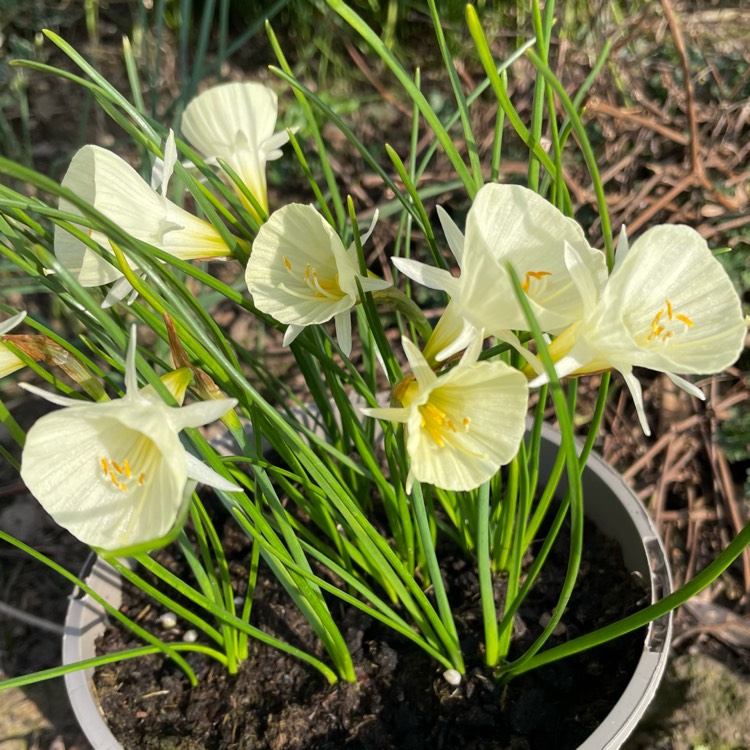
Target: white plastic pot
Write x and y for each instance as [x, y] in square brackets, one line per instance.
[609, 503]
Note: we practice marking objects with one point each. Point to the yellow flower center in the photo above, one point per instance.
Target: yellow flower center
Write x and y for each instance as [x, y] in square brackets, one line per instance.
[526, 283]
[666, 323]
[121, 475]
[438, 424]
[320, 288]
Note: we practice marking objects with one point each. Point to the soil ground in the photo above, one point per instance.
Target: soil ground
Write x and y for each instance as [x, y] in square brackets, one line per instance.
[673, 148]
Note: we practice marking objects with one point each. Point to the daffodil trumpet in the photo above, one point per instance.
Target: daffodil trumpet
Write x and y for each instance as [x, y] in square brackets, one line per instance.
[115, 473]
[100, 178]
[301, 274]
[462, 426]
[668, 306]
[233, 124]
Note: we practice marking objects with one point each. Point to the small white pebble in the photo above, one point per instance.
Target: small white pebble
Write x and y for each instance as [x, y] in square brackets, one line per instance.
[168, 620]
[452, 677]
[190, 636]
[239, 601]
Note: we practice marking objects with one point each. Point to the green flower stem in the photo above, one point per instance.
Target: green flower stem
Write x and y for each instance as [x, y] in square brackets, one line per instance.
[243, 640]
[588, 153]
[302, 97]
[497, 139]
[398, 301]
[484, 568]
[348, 133]
[15, 429]
[436, 578]
[485, 57]
[534, 447]
[536, 567]
[507, 518]
[413, 92]
[214, 560]
[311, 179]
[501, 71]
[311, 600]
[224, 616]
[639, 619]
[518, 549]
[542, 30]
[100, 661]
[166, 648]
[411, 189]
[545, 500]
[463, 109]
[575, 491]
[379, 609]
[164, 600]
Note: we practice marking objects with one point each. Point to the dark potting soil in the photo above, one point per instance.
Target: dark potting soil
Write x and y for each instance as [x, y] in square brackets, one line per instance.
[400, 700]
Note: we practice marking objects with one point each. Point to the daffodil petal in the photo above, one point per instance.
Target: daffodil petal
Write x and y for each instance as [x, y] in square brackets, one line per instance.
[390, 414]
[291, 333]
[622, 248]
[453, 235]
[293, 272]
[343, 323]
[419, 365]
[452, 334]
[636, 393]
[117, 292]
[686, 386]
[10, 323]
[53, 398]
[433, 278]
[580, 273]
[199, 413]
[203, 474]
[9, 362]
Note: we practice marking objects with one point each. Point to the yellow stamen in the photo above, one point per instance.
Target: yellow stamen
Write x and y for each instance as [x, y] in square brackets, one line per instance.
[667, 330]
[437, 423]
[287, 264]
[533, 275]
[120, 474]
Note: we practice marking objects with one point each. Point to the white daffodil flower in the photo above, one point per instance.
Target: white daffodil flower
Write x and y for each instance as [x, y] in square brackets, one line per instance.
[235, 122]
[115, 473]
[115, 189]
[9, 362]
[669, 305]
[461, 426]
[300, 273]
[509, 224]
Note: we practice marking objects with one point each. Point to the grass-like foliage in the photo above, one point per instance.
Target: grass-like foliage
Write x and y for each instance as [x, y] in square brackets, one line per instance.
[351, 485]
